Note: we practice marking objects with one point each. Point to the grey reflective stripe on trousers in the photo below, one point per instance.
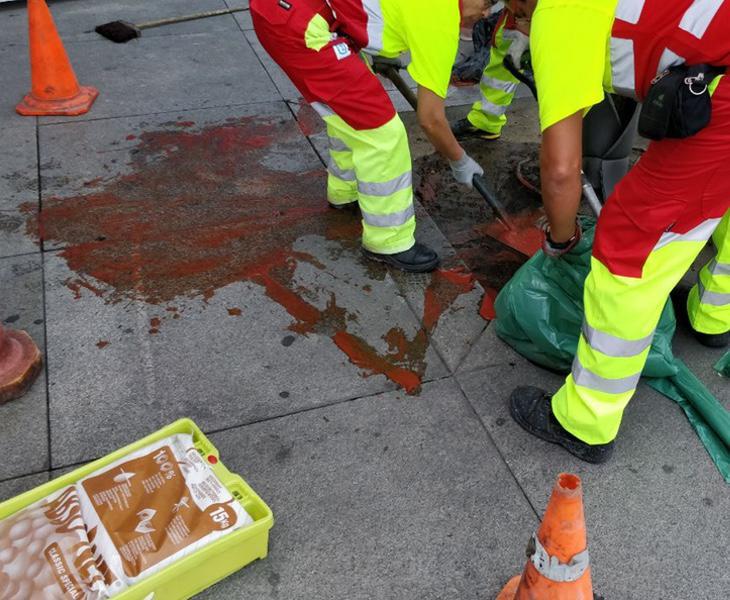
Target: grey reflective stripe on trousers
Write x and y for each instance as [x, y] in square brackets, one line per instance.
[585, 378]
[385, 188]
[617, 347]
[344, 174]
[712, 298]
[337, 145]
[701, 233]
[492, 108]
[716, 268]
[698, 17]
[395, 219]
[322, 109]
[498, 84]
[551, 568]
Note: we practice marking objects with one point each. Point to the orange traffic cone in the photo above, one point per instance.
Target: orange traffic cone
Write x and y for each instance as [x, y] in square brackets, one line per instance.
[20, 363]
[55, 88]
[557, 566]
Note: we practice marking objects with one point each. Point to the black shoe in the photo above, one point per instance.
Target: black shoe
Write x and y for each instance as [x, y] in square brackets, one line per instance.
[418, 259]
[713, 340]
[531, 408]
[463, 129]
[349, 207]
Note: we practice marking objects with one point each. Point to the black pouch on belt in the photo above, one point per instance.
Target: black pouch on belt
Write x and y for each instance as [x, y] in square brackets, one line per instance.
[678, 104]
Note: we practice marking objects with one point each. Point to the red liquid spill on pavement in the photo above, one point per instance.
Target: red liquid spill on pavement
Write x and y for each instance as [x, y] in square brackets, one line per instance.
[487, 310]
[199, 209]
[102, 344]
[525, 236]
[235, 312]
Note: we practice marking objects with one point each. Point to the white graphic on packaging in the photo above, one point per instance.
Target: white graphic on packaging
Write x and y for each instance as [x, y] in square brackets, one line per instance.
[123, 476]
[182, 504]
[145, 520]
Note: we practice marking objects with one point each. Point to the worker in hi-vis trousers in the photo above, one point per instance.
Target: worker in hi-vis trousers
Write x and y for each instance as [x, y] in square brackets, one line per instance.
[317, 44]
[659, 216]
[488, 115]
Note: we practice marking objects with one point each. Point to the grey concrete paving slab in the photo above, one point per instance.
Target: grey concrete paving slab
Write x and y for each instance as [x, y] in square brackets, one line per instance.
[76, 19]
[19, 165]
[382, 497]
[243, 18]
[203, 274]
[168, 73]
[659, 498]
[15, 77]
[14, 487]
[488, 351]
[14, 236]
[24, 439]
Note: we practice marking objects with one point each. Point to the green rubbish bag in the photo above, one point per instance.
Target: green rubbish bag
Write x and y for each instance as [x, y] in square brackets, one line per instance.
[723, 365]
[540, 313]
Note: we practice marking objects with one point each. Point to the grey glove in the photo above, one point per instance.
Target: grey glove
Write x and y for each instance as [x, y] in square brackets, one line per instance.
[464, 170]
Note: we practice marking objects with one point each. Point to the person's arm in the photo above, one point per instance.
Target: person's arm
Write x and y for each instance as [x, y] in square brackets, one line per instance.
[561, 157]
[432, 119]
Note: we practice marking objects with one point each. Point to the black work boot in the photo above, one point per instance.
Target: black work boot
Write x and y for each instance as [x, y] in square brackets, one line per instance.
[713, 340]
[349, 207]
[463, 129]
[531, 408]
[419, 258]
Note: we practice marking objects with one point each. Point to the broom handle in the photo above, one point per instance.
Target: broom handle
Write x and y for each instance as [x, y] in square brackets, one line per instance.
[203, 15]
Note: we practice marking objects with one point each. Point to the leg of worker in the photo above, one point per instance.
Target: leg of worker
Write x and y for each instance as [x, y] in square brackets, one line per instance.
[341, 179]
[709, 301]
[621, 314]
[382, 164]
[497, 86]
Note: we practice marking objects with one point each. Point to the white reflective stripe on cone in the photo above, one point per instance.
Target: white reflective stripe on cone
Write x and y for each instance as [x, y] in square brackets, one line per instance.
[701, 233]
[498, 84]
[385, 188]
[630, 10]
[712, 298]
[698, 17]
[344, 174]
[716, 268]
[617, 347]
[493, 109]
[551, 568]
[395, 219]
[588, 379]
[623, 73]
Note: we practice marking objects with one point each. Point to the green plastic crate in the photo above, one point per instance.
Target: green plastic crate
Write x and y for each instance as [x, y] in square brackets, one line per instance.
[203, 568]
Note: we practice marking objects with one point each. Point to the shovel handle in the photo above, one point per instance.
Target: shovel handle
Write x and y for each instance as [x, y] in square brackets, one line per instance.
[182, 19]
[480, 185]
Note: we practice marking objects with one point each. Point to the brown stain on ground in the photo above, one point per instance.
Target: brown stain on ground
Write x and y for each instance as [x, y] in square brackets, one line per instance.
[199, 210]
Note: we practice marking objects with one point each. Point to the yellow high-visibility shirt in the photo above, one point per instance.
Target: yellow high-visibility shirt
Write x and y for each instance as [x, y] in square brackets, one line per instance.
[430, 31]
[569, 42]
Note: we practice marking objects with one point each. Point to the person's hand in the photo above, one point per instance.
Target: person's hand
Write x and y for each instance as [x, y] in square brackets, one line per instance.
[464, 170]
[558, 249]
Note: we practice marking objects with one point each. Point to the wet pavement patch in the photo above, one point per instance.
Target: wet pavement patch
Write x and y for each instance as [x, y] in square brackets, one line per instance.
[204, 206]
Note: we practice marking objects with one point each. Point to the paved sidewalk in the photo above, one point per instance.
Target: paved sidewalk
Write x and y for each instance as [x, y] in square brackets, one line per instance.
[188, 266]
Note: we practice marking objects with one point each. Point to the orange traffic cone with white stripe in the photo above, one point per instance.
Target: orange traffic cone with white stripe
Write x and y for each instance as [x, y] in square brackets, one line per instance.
[557, 556]
[55, 90]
